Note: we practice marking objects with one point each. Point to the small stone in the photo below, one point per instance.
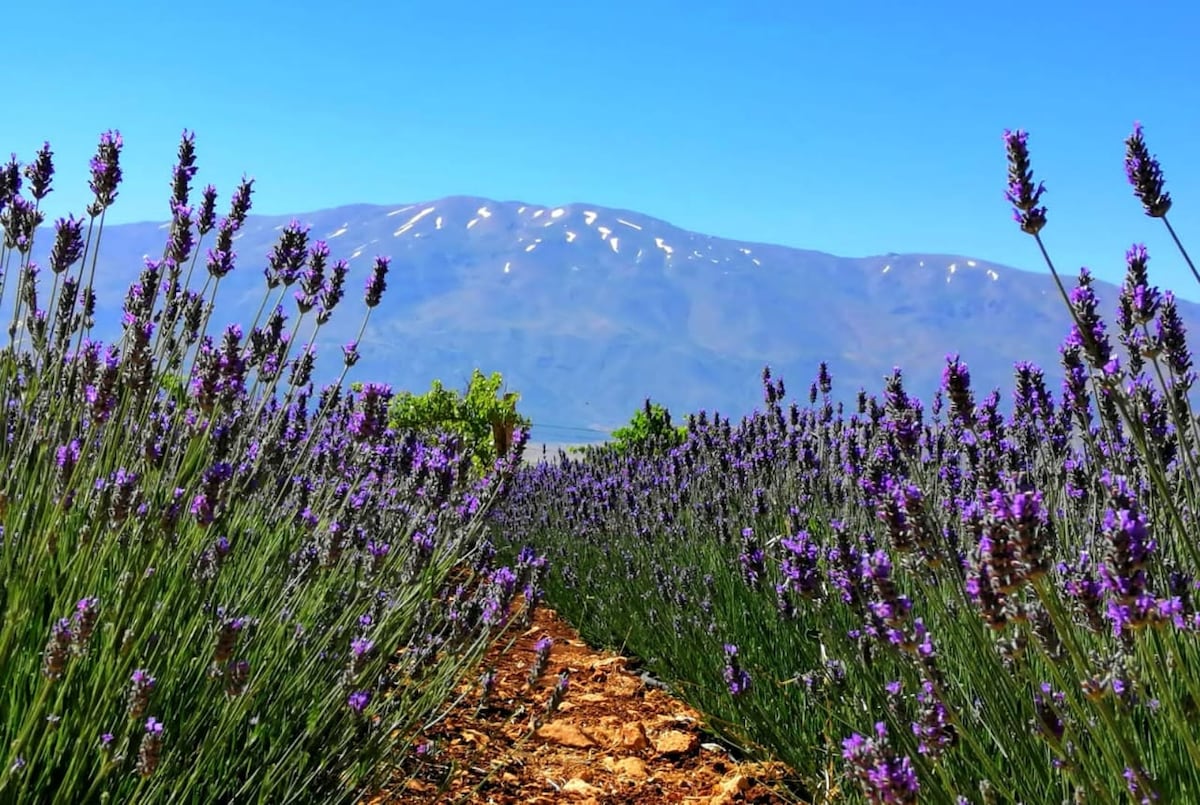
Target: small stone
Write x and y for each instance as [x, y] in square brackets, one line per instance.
[633, 768]
[578, 786]
[727, 790]
[675, 743]
[565, 734]
[607, 661]
[475, 737]
[633, 737]
[733, 784]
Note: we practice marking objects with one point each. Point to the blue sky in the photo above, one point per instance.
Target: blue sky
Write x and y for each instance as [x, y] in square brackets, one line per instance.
[856, 128]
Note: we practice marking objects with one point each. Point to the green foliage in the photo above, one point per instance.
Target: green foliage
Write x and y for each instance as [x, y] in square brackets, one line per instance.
[650, 431]
[175, 387]
[482, 416]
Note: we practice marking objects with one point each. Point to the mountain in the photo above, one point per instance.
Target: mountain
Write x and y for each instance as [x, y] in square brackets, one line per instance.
[588, 310]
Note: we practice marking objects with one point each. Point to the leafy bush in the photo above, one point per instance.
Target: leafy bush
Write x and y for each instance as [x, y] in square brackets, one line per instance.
[945, 603]
[483, 417]
[228, 589]
[649, 431]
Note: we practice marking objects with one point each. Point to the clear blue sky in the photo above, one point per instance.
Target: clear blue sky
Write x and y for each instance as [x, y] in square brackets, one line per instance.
[852, 127]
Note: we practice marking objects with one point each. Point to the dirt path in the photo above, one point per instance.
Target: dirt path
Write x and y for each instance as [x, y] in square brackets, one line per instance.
[613, 739]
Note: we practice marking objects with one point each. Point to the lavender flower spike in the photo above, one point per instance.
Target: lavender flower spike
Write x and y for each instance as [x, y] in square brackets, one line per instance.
[40, 173]
[359, 700]
[884, 776]
[736, 677]
[1145, 174]
[1021, 192]
[150, 748]
[376, 283]
[106, 172]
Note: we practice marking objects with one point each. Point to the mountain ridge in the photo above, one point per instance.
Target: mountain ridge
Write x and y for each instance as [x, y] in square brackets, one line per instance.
[587, 310]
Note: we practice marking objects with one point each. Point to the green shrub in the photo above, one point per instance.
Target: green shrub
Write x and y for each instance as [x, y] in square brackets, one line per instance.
[482, 416]
[649, 431]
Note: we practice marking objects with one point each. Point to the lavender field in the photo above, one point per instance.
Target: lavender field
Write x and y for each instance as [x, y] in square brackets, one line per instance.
[986, 597]
[215, 584]
[218, 583]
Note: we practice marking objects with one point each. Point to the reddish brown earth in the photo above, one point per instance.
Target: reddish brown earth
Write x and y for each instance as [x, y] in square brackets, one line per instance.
[613, 739]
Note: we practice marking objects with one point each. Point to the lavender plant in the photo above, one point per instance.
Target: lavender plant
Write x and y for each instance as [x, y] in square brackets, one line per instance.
[216, 582]
[954, 602]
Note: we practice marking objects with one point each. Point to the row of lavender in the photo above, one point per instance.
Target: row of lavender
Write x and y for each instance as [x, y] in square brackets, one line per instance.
[943, 604]
[215, 583]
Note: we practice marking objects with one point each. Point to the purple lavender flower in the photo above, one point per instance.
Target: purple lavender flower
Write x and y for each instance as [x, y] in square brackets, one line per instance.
[369, 419]
[1129, 546]
[1144, 298]
[87, 612]
[57, 651]
[1145, 174]
[68, 243]
[124, 496]
[287, 255]
[237, 678]
[884, 776]
[206, 219]
[799, 568]
[20, 221]
[1084, 590]
[10, 181]
[888, 605]
[350, 353]
[221, 261]
[66, 457]
[1021, 192]
[1140, 786]
[312, 281]
[227, 637]
[239, 204]
[487, 684]
[956, 380]
[377, 551]
[736, 678]
[358, 700]
[184, 171]
[106, 172]
[150, 749]
[139, 693]
[499, 595]
[182, 240]
[558, 692]
[900, 509]
[751, 558]
[1087, 331]
[933, 728]
[40, 173]
[376, 283]
[541, 652]
[333, 291]
[1049, 723]
[302, 367]
[1171, 340]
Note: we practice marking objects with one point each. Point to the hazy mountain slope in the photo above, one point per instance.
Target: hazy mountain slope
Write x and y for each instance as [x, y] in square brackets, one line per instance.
[586, 310]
